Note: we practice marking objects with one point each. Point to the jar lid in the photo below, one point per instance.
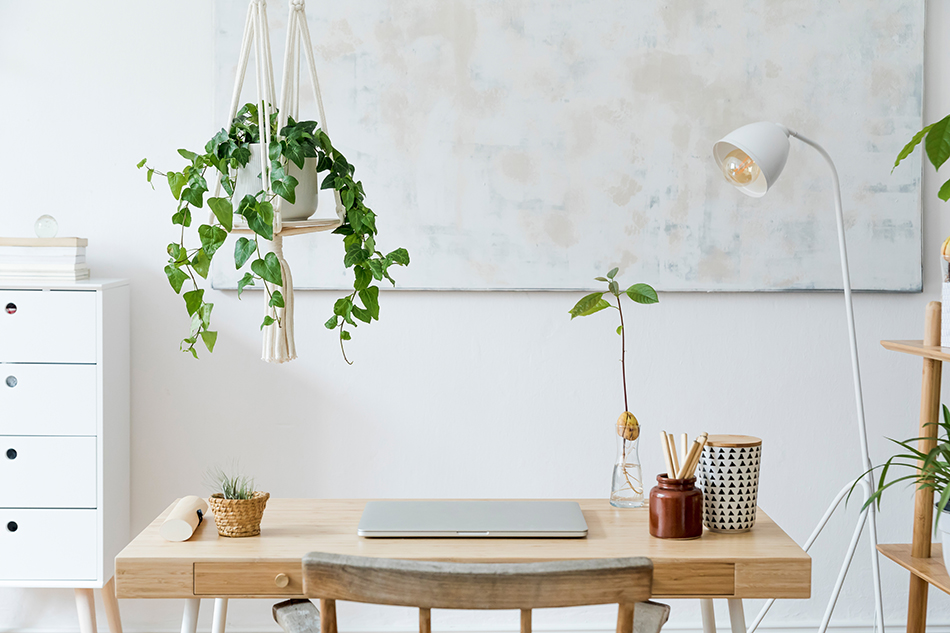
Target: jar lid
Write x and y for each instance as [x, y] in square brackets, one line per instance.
[733, 440]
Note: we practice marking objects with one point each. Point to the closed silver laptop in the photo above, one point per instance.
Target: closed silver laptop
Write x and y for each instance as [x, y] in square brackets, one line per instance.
[473, 519]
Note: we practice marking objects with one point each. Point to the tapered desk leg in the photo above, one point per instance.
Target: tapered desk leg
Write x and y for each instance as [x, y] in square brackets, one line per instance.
[736, 615]
[112, 606]
[189, 619]
[220, 615]
[86, 608]
[709, 615]
[327, 616]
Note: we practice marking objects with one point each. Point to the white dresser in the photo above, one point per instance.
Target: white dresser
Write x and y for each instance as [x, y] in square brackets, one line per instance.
[64, 437]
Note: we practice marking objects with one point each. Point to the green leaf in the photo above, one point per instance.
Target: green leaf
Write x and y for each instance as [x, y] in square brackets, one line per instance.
[246, 280]
[613, 273]
[176, 181]
[642, 293]
[204, 313]
[243, 250]
[909, 148]
[148, 176]
[937, 142]
[276, 300]
[193, 195]
[268, 269]
[201, 263]
[193, 300]
[222, 210]
[261, 221]
[614, 288]
[182, 217]
[601, 279]
[356, 255]
[619, 330]
[590, 304]
[348, 197]
[362, 314]
[364, 277]
[944, 193]
[186, 154]
[370, 299]
[399, 256]
[212, 238]
[344, 307]
[268, 320]
[332, 322]
[177, 255]
[344, 335]
[209, 338]
[176, 277]
[284, 185]
[141, 163]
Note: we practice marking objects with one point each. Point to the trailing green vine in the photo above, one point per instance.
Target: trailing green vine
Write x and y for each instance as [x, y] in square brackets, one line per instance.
[229, 151]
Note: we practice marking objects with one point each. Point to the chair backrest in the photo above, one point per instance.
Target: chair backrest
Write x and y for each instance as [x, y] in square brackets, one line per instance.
[436, 585]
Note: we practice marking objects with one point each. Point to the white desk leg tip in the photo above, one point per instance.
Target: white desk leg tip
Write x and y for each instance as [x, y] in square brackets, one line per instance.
[86, 608]
[736, 615]
[189, 619]
[709, 615]
[220, 615]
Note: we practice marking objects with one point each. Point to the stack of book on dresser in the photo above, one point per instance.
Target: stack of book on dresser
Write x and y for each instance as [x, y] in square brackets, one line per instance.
[53, 258]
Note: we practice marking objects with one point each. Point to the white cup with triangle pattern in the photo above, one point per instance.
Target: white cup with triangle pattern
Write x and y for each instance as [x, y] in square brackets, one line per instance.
[728, 474]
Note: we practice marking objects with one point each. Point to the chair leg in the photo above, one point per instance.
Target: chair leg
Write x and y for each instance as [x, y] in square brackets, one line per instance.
[526, 621]
[189, 619]
[220, 617]
[737, 615]
[327, 616]
[625, 613]
[112, 606]
[709, 615]
[425, 620]
[86, 608]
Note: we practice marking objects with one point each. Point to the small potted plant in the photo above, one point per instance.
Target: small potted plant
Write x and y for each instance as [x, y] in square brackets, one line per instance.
[928, 470]
[236, 506]
[626, 489]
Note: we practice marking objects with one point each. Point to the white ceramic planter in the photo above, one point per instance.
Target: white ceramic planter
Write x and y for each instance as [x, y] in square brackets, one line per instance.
[308, 186]
[944, 527]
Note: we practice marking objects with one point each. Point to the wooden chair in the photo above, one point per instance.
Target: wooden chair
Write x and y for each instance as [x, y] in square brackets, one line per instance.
[434, 585]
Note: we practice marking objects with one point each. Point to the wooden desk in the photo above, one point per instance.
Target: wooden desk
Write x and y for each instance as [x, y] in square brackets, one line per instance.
[762, 563]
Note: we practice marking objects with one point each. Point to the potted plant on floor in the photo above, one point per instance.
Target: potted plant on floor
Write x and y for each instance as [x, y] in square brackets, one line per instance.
[297, 153]
[236, 505]
[626, 490]
[928, 470]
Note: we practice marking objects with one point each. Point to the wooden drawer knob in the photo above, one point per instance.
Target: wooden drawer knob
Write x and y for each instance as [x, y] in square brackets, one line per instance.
[281, 580]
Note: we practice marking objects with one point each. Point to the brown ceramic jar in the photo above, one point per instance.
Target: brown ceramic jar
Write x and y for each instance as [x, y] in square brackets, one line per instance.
[676, 508]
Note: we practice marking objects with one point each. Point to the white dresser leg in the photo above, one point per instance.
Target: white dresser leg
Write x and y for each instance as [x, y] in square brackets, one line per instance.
[112, 606]
[709, 615]
[737, 615]
[189, 619]
[86, 608]
[220, 615]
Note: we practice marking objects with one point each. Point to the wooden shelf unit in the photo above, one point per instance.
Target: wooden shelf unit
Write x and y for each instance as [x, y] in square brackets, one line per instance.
[921, 558]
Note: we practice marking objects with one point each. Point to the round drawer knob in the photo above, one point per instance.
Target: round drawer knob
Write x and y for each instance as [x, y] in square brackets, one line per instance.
[11, 381]
[281, 580]
[11, 453]
[12, 526]
[11, 308]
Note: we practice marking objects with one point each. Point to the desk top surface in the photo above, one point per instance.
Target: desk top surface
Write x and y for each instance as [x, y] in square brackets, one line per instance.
[764, 556]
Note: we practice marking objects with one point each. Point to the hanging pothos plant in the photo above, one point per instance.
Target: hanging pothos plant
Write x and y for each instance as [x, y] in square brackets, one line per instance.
[224, 154]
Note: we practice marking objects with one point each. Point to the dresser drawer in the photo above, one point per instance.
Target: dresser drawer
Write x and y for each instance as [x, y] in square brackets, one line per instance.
[47, 472]
[47, 399]
[47, 326]
[249, 579]
[48, 544]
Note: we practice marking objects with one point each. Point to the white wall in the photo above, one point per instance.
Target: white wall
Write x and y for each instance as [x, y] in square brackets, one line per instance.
[452, 395]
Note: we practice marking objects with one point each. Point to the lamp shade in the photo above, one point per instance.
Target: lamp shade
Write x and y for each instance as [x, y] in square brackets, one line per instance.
[753, 156]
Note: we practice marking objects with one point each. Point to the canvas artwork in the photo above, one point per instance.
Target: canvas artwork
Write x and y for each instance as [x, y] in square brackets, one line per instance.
[521, 144]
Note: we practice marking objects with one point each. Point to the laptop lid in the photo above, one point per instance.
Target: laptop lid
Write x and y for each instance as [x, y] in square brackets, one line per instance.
[473, 519]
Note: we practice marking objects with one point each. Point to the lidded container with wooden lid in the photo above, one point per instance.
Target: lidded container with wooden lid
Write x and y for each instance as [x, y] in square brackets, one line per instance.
[728, 474]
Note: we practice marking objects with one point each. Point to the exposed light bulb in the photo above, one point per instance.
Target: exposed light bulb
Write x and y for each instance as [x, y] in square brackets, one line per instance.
[739, 169]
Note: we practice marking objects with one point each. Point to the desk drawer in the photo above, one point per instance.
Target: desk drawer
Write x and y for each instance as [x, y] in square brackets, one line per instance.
[51, 326]
[48, 544]
[699, 578]
[40, 399]
[248, 579]
[47, 472]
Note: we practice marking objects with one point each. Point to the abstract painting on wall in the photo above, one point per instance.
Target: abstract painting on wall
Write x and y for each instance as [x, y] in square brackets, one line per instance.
[521, 144]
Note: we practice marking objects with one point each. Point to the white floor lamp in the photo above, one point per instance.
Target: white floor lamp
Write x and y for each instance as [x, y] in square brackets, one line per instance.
[752, 158]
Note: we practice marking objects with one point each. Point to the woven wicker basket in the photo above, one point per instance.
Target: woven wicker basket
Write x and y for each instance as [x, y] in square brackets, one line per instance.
[238, 517]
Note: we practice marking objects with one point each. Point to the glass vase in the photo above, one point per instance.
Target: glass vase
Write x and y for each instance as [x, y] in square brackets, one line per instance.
[626, 486]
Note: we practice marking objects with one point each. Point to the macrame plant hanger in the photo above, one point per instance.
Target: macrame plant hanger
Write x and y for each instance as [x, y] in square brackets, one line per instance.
[278, 345]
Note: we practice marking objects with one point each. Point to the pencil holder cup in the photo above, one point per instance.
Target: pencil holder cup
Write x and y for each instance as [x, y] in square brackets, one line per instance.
[676, 508]
[729, 477]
